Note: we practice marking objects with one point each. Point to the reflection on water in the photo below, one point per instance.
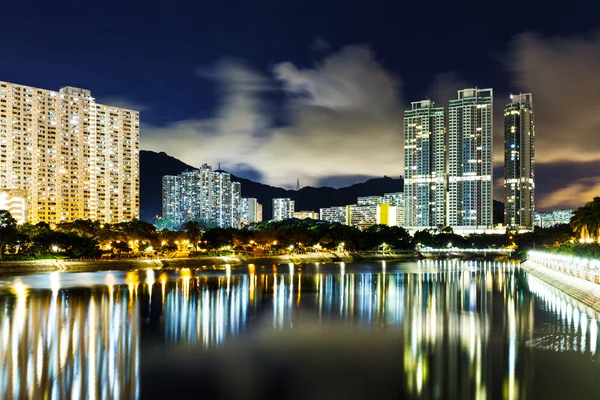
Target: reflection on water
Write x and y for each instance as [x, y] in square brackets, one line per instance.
[59, 343]
[465, 329]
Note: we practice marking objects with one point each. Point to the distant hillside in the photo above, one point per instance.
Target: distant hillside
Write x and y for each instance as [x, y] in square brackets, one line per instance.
[154, 166]
[310, 198]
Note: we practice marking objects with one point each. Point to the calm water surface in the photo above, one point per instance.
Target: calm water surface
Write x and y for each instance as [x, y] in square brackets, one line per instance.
[430, 329]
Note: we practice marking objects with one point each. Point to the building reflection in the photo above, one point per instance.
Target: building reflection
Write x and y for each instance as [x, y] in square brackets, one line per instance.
[574, 326]
[466, 329]
[71, 343]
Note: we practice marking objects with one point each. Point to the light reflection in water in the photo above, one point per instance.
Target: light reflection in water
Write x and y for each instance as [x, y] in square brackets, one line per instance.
[466, 329]
[62, 344]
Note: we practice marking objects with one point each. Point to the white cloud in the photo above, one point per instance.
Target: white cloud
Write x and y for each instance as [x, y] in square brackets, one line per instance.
[574, 195]
[562, 75]
[344, 117]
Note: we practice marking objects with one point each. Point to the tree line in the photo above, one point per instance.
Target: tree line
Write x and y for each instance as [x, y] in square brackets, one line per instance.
[86, 238]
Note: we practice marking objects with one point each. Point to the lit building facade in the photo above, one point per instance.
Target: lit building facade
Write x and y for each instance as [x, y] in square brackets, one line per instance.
[396, 200]
[363, 217]
[519, 162]
[337, 215]
[259, 213]
[425, 160]
[202, 195]
[283, 209]
[15, 202]
[369, 201]
[250, 211]
[470, 161]
[76, 159]
[552, 218]
[171, 198]
[306, 214]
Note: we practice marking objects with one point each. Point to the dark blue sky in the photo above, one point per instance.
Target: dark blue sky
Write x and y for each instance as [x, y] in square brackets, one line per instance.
[147, 51]
[147, 54]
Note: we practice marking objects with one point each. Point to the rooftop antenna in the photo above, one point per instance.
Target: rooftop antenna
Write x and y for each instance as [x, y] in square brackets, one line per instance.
[298, 184]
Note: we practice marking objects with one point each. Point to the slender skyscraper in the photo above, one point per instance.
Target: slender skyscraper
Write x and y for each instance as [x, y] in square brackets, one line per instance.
[424, 165]
[470, 162]
[519, 187]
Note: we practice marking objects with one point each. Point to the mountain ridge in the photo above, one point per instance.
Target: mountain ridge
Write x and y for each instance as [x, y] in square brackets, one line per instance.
[154, 165]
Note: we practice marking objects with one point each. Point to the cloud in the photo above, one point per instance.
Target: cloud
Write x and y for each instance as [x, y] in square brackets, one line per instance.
[562, 75]
[122, 102]
[343, 117]
[574, 195]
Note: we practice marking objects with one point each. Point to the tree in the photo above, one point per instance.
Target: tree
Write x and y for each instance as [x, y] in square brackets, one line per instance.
[586, 220]
[8, 230]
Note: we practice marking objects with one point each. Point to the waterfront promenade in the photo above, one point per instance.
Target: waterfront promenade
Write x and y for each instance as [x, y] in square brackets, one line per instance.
[579, 278]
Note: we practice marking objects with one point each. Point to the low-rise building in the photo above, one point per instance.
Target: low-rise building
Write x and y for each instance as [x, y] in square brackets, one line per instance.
[15, 202]
[339, 215]
[306, 214]
[552, 218]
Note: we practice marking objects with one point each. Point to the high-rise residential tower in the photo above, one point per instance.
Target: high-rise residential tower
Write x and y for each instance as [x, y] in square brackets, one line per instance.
[470, 162]
[519, 162]
[202, 195]
[283, 209]
[74, 158]
[250, 211]
[424, 165]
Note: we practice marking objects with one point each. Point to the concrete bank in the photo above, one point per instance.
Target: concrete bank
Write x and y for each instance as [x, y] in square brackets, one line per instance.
[40, 266]
[584, 291]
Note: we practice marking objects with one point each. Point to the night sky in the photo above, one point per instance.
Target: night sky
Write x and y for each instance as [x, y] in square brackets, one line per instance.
[279, 90]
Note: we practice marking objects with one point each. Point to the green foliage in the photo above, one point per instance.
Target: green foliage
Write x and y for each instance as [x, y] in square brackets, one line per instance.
[8, 230]
[586, 220]
[584, 250]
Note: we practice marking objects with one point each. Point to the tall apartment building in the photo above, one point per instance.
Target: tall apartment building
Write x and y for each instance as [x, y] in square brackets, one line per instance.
[75, 158]
[519, 162]
[171, 199]
[250, 211]
[202, 194]
[283, 209]
[425, 160]
[470, 162]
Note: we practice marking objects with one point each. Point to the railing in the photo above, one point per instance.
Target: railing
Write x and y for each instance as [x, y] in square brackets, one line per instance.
[584, 268]
[467, 250]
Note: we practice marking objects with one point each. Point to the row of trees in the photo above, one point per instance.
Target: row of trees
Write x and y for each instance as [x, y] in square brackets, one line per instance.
[85, 238]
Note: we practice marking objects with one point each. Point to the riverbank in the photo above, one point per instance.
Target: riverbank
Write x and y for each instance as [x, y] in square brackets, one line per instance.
[582, 290]
[40, 266]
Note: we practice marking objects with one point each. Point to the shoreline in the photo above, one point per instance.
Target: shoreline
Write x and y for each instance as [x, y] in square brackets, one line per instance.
[42, 266]
[580, 289]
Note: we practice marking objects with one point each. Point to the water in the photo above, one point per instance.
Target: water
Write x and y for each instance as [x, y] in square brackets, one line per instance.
[397, 330]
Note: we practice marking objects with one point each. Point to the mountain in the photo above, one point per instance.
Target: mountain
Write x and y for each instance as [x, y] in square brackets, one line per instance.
[311, 198]
[153, 166]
